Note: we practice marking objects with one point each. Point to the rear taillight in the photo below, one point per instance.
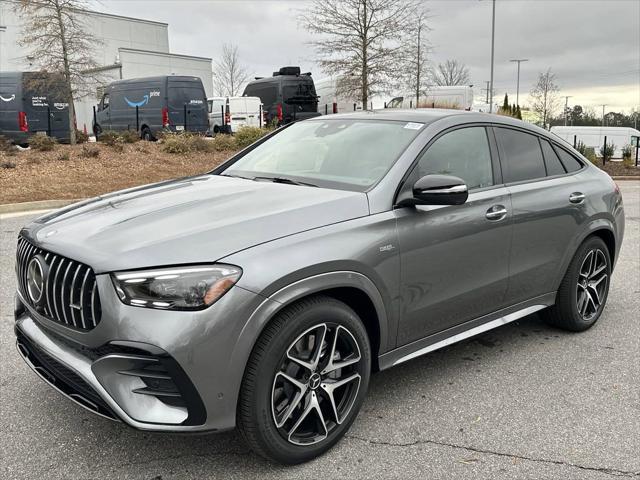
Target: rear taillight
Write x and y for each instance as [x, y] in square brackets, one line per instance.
[227, 116]
[279, 112]
[335, 107]
[22, 122]
[165, 117]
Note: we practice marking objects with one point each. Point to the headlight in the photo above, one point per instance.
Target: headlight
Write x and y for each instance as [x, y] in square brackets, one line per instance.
[179, 288]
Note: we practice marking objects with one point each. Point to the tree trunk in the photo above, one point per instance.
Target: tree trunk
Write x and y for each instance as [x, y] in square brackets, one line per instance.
[67, 75]
[365, 61]
[418, 65]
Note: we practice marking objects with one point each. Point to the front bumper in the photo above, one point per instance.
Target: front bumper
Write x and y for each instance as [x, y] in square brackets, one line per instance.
[154, 370]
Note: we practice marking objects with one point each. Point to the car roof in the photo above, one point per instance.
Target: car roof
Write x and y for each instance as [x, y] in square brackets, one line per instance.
[430, 115]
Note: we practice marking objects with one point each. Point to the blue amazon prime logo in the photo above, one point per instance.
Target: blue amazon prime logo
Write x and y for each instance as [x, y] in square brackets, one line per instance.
[144, 101]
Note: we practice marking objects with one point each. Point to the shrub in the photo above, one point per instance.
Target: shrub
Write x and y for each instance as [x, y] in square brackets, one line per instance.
[590, 154]
[247, 135]
[63, 156]
[7, 165]
[81, 137]
[627, 151]
[607, 150]
[200, 144]
[176, 143]
[223, 143]
[129, 136]
[42, 143]
[5, 144]
[90, 151]
[108, 137]
[581, 147]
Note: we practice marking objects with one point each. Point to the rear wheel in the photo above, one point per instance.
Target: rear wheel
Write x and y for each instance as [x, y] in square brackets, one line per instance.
[305, 381]
[146, 134]
[583, 292]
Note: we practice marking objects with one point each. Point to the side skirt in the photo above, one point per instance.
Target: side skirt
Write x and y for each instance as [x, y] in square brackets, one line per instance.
[465, 330]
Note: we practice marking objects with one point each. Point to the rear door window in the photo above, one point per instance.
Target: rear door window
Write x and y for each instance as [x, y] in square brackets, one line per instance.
[521, 155]
[554, 166]
[570, 162]
[267, 93]
[181, 95]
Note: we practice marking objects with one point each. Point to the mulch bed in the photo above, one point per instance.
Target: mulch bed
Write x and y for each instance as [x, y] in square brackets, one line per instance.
[68, 172]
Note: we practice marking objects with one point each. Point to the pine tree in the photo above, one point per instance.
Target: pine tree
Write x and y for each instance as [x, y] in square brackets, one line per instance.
[505, 105]
[518, 113]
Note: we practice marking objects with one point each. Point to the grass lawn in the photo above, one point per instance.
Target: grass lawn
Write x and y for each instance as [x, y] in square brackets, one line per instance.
[70, 172]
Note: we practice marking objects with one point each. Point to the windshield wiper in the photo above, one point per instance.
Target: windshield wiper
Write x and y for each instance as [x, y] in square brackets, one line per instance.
[285, 180]
[235, 176]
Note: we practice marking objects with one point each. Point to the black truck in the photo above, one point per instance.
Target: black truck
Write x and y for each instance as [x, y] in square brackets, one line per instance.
[287, 96]
[153, 104]
[32, 103]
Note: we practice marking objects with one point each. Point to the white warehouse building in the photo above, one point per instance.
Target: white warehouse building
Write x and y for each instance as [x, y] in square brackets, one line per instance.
[131, 48]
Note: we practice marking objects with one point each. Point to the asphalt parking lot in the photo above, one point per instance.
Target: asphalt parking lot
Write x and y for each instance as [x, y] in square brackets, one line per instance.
[523, 401]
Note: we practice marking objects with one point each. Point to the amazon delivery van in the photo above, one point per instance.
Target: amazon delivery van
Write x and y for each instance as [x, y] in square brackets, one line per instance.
[32, 103]
[153, 104]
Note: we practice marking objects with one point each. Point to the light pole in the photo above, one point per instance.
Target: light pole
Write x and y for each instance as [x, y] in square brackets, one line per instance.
[566, 108]
[493, 36]
[519, 61]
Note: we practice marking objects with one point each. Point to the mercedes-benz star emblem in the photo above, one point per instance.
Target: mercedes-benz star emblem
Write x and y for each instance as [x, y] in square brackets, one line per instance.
[36, 273]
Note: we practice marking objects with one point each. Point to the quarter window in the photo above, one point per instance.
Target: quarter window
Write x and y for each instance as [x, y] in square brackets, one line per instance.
[554, 166]
[523, 155]
[569, 161]
[463, 153]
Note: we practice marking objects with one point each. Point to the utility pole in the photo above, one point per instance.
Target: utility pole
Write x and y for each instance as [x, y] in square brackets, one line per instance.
[493, 35]
[519, 61]
[566, 108]
[603, 114]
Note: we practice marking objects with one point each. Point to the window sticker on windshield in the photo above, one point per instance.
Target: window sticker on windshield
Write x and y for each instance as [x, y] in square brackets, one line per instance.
[414, 126]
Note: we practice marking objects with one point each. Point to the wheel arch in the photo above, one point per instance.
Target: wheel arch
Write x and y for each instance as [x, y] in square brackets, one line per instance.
[353, 288]
[602, 228]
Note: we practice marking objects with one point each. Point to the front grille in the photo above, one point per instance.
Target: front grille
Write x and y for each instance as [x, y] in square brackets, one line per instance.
[70, 294]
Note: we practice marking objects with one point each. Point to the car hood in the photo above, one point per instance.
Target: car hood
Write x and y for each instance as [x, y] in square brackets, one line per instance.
[192, 220]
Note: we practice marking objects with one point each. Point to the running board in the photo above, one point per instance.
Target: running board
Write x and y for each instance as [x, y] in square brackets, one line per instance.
[498, 322]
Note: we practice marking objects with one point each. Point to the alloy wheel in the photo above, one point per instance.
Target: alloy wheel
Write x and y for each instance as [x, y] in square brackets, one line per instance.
[592, 283]
[317, 383]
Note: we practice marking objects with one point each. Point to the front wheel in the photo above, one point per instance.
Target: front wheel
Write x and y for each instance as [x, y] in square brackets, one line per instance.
[584, 289]
[305, 381]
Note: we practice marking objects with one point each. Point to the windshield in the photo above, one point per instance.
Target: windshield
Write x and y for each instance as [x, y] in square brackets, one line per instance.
[343, 154]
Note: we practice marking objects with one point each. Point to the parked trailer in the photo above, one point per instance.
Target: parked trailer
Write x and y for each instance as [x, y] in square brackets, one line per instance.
[457, 97]
[593, 137]
[153, 104]
[32, 103]
[229, 114]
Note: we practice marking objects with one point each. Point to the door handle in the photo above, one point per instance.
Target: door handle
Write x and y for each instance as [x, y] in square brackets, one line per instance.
[577, 197]
[497, 212]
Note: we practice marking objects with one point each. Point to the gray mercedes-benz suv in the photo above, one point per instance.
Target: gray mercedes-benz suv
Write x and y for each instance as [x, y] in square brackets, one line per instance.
[263, 294]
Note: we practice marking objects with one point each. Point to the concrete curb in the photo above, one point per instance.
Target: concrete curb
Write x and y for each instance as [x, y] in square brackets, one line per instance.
[626, 177]
[32, 206]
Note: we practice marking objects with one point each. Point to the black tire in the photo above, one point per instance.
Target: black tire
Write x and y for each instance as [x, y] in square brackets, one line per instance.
[569, 313]
[97, 130]
[256, 413]
[146, 134]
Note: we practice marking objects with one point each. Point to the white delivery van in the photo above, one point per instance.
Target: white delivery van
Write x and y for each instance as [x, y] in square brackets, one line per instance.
[456, 97]
[330, 101]
[238, 112]
[594, 137]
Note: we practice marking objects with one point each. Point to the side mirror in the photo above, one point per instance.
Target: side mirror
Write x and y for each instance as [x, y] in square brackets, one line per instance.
[440, 190]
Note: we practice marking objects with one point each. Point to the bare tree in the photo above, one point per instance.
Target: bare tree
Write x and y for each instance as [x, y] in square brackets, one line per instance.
[55, 33]
[229, 75]
[450, 73]
[418, 71]
[544, 97]
[361, 41]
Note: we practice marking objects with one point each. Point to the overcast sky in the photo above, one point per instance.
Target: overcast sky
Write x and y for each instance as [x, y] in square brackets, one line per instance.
[593, 46]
